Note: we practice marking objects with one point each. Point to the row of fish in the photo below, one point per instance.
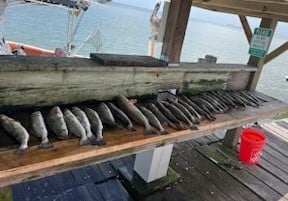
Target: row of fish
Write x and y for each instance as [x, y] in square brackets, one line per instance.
[178, 112]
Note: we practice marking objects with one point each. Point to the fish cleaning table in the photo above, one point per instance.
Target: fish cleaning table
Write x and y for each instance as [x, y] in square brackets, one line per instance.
[67, 154]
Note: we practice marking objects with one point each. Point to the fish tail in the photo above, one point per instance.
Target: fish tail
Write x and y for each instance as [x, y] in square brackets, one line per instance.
[172, 125]
[131, 128]
[180, 126]
[92, 139]
[46, 145]
[193, 127]
[163, 132]
[148, 130]
[22, 149]
[84, 141]
[100, 142]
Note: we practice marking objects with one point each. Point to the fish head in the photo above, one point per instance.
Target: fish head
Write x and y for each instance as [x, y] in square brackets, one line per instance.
[63, 132]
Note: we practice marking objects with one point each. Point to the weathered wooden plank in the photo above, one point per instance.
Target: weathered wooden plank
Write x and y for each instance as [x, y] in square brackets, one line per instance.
[274, 170]
[257, 185]
[246, 27]
[265, 176]
[126, 60]
[177, 20]
[195, 183]
[48, 83]
[267, 9]
[221, 179]
[67, 154]
[232, 137]
[275, 53]
[238, 80]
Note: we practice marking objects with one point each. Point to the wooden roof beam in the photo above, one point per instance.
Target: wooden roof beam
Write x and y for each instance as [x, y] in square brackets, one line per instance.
[246, 27]
[270, 1]
[265, 9]
[275, 53]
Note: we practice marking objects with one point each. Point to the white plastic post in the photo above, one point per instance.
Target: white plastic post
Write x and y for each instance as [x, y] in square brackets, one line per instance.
[153, 164]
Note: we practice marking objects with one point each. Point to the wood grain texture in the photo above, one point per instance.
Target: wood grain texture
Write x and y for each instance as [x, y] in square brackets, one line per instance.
[67, 154]
[43, 82]
[269, 9]
[174, 34]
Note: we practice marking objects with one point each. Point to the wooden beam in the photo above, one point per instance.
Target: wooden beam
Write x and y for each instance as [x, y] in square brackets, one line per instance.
[67, 154]
[177, 20]
[246, 27]
[267, 9]
[259, 62]
[283, 2]
[275, 53]
[231, 139]
[42, 81]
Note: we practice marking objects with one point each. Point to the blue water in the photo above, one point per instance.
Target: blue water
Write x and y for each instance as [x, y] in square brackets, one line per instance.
[126, 30]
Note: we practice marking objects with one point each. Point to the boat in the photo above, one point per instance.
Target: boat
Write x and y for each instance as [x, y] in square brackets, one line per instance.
[76, 10]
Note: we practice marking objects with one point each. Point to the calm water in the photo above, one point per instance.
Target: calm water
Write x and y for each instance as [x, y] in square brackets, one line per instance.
[126, 30]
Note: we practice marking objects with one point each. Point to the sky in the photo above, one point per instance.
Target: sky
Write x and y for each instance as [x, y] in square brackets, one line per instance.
[210, 16]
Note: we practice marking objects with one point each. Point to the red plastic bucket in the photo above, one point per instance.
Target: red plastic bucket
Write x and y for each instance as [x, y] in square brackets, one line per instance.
[251, 146]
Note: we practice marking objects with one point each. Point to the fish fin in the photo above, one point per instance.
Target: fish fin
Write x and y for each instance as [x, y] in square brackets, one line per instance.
[149, 131]
[46, 145]
[164, 132]
[92, 140]
[133, 101]
[131, 128]
[101, 142]
[84, 141]
[193, 127]
[20, 151]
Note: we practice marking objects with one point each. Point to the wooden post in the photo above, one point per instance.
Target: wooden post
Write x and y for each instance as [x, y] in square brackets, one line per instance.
[232, 138]
[256, 61]
[177, 20]
[246, 27]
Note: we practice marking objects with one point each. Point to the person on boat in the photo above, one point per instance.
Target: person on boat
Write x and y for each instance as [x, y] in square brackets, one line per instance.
[4, 47]
[155, 21]
[63, 52]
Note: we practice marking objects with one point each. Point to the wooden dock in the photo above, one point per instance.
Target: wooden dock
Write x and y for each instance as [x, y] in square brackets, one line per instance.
[278, 128]
[201, 177]
[67, 154]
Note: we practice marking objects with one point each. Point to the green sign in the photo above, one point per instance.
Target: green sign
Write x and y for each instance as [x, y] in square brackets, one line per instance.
[260, 42]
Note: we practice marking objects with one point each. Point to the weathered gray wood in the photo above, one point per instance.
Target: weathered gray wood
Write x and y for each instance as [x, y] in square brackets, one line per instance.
[177, 20]
[254, 183]
[46, 81]
[222, 179]
[275, 53]
[246, 27]
[238, 80]
[126, 60]
[259, 62]
[255, 8]
[232, 138]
